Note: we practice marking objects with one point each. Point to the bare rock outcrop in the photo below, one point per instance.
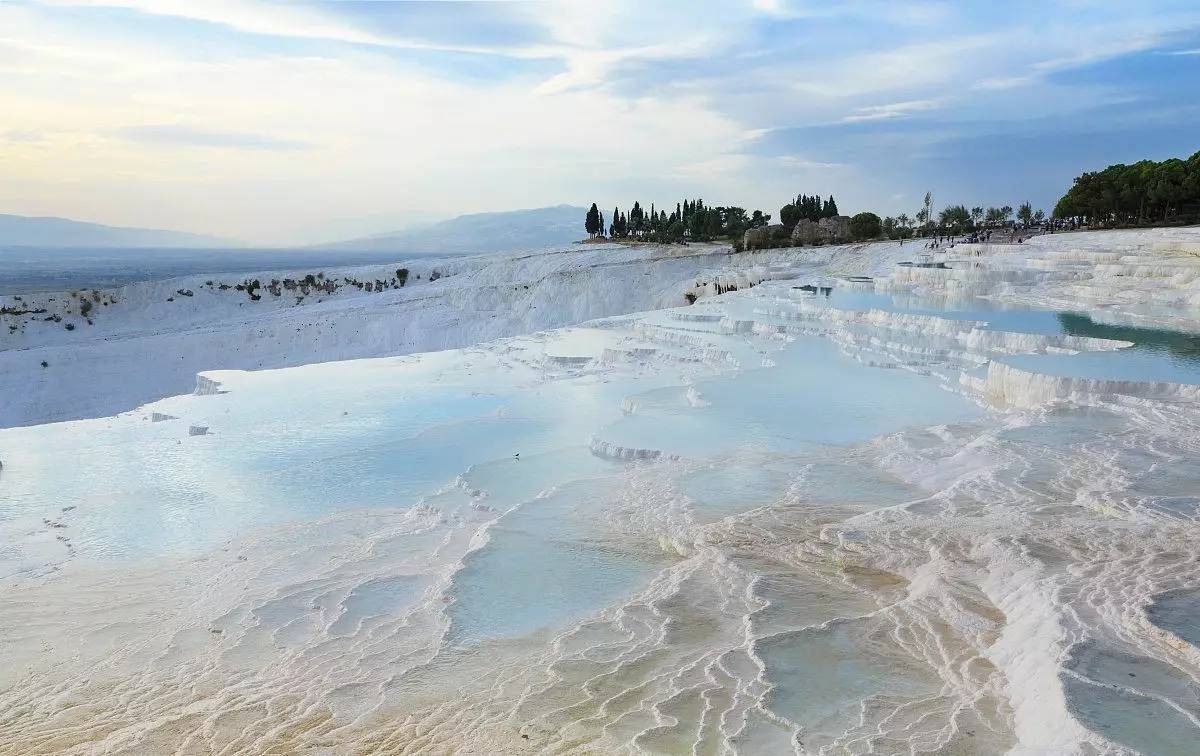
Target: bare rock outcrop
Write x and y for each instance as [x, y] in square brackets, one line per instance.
[838, 228]
[808, 232]
[765, 237]
[825, 231]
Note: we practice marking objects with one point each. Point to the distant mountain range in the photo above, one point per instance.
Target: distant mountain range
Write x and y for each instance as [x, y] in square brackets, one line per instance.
[481, 232]
[25, 231]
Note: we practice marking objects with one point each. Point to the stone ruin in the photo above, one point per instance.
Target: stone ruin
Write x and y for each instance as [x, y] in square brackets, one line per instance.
[825, 231]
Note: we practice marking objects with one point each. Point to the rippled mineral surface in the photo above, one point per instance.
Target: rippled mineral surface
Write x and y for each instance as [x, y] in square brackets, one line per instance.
[949, 510]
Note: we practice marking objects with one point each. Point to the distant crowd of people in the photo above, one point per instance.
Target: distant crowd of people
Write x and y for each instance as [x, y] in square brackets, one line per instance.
[978, 237]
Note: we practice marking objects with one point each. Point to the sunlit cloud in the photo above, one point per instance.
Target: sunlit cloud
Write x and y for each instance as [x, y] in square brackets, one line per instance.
[188, 136]
[265, 119]
[31, 136]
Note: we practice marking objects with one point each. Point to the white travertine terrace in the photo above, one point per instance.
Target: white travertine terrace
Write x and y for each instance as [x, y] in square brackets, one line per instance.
[914, 515]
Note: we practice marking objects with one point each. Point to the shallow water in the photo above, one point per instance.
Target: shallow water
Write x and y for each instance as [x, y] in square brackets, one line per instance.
[766, 523]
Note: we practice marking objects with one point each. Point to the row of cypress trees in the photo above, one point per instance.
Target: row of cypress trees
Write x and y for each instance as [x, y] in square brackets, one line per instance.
[807, 207]
[691, 219]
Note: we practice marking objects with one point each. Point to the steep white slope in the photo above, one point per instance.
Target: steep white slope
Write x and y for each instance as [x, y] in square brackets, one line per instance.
[148, 340]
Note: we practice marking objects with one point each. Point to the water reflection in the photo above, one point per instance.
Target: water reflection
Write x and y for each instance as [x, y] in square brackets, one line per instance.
[1184, 346]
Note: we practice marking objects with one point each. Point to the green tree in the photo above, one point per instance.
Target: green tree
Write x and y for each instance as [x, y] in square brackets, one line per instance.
[698, 224]
[734, 222]
[1066, 208]
[637, 220]
[1025, 213]
[789, 215]
[865, 226]
[592, 222]
[712, 223]
[620, 225]
[955, 218]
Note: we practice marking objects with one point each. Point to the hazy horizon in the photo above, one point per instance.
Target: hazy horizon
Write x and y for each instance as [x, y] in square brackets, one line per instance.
[333, 239]
[284, 124]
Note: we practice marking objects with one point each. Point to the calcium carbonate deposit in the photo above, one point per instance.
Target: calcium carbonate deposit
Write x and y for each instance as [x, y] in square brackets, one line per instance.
[948, 510]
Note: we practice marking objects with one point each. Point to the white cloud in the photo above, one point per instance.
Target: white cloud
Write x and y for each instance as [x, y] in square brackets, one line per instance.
[594, 39]
[624, 95]
[297, 20]
[920, 66]
[796, 161]
[777, 8]
[254, 16]
[890, 110]
[183, 135]
[138, 138]
[997, 83]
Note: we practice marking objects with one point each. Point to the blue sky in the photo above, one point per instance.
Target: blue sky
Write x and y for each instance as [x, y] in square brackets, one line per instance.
[290, 122]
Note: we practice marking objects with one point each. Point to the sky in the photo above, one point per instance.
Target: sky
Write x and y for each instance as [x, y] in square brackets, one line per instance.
[298, 122]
